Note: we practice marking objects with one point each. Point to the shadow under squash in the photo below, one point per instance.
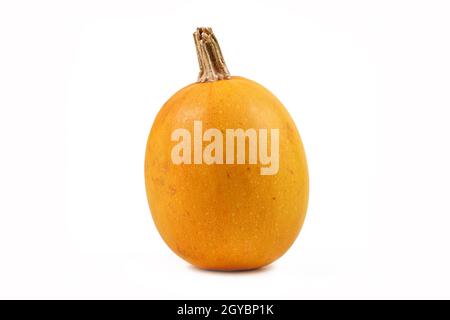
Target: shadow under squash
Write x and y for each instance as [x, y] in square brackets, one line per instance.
[233, 272]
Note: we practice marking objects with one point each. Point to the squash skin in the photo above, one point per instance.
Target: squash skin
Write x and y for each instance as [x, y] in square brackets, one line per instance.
[228, 216]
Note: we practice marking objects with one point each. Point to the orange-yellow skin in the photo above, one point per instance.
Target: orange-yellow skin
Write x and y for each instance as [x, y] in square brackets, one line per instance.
[226, 216]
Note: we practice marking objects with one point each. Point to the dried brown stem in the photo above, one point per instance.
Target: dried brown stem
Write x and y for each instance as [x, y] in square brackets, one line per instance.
[210, 58]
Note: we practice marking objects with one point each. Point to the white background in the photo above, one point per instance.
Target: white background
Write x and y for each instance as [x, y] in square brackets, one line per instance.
[367, 82]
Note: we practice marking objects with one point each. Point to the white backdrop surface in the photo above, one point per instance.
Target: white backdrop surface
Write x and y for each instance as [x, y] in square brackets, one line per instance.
[367, 84]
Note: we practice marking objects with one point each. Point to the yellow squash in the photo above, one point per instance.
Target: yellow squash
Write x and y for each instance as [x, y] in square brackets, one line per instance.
[225, 214]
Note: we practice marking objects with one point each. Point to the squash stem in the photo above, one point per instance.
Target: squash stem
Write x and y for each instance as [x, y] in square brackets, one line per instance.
[210, 58]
